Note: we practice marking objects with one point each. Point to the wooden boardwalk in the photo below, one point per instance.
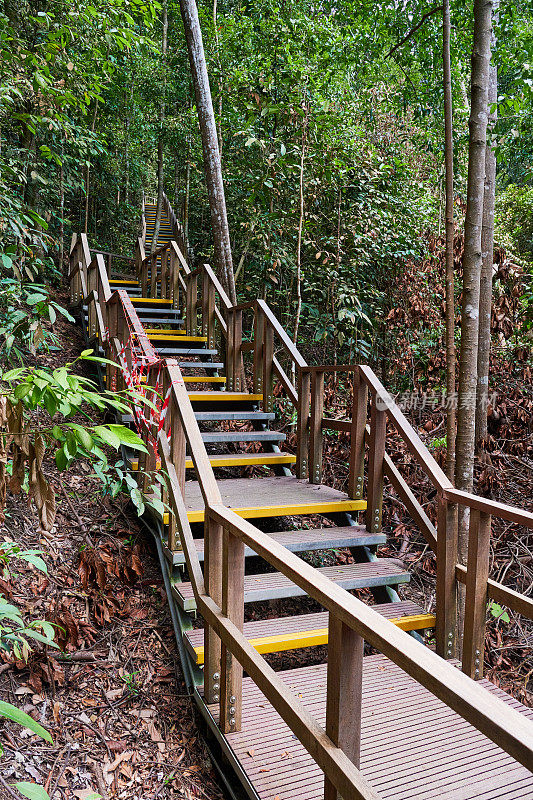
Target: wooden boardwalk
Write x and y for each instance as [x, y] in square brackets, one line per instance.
[409, 723]
[413, 746]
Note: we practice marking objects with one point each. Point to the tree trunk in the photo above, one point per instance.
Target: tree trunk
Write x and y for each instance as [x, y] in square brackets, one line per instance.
[472, 263]
[61, 213]
[186, 198]
[88, 174]
[487, 248]
[213, 169]
[160, 153]
[450, 283]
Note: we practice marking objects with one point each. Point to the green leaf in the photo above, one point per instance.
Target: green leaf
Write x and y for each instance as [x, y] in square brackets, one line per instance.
[108, 436]
[35, 560]
[22, 390]
[13, 713]
[129, 437]
[32, 790]
[61, 459]
[137, 500]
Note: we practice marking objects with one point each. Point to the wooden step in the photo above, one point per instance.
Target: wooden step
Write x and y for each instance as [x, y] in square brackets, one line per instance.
[165, 331]
[231, 459]
[203, 379]
[303, 540]
[223, 397]
[142, 314]
[238, 416]
[309, 630]
[215, 437]
[271, 497]
[275, 585]
[180, 338]
[149, 301]
[201, 364]
[171, 352]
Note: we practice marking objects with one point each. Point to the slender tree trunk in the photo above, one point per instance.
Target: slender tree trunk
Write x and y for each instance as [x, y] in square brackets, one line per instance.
[61, 214]
[472, 263]
[186, 199]
[160, 153]
[301, 218]
[220, 81]
[487, 248]
[213, 169]
[88, 175]
[450, 283]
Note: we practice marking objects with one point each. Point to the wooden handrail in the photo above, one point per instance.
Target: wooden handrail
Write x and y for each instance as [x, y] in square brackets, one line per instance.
[282, 334]
[490, 715]
[415, 445]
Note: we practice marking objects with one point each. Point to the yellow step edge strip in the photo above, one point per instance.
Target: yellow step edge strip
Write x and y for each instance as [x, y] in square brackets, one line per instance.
[245, 461]
[199, 379]
[163, 331]
[177, 338]
[150, 300]
[253, 512]
[295, 641]
[127, 283]
[224, 397]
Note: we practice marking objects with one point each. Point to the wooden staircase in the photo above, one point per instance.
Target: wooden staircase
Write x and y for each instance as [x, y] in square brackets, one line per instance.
[227, 433]
[250, 536]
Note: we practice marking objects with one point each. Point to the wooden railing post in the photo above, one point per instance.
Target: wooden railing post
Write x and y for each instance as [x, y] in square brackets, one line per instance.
[259, 333]
[446, 613]
[213, 547]
[302, 424]
[357, 438]
[476, 593]
[192, 304]
[153, 275]
[233, 608]
[315, 427]
[268, 366]
[344, 693]
[230, 344]
[378, 425]
[237, 369]
[149, 461]
[208, 309]
[164, 274]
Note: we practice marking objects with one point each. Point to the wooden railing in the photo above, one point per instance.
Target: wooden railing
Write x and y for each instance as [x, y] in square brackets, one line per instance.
[219, 590]
[219, 594]
[112, 260]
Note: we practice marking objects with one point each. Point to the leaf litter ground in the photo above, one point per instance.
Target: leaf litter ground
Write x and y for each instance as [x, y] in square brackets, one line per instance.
[114, 698]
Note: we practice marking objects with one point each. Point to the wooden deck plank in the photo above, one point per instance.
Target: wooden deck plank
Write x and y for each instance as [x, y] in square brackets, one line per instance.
[268, 497]
[446, 758]
[308, 630]
[275, 585]
[313, 539]
[278, 625]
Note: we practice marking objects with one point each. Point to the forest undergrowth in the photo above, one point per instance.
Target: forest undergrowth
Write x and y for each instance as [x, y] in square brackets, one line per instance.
[113, 695]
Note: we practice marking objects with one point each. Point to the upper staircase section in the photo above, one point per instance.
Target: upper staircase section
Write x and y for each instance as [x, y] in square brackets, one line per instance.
[406, 722]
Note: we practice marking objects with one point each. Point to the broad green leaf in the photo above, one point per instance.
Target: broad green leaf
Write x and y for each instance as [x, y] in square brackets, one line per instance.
[32, 790]
[108, 436]
[13, 713]
[129, 437]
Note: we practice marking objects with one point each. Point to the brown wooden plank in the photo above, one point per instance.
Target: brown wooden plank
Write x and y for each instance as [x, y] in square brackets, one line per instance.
[262, 492]
[476, 593]
[459, 763]
[344, 693]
